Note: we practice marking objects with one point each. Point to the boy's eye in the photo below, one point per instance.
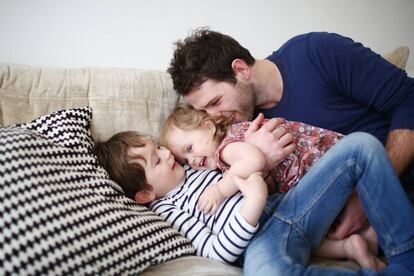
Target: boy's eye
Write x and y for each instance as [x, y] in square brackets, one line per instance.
[158, 161]
[189, 148]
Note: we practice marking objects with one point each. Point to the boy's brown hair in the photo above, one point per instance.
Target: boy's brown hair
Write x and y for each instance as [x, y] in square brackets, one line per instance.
[115, 157]
[185, 117]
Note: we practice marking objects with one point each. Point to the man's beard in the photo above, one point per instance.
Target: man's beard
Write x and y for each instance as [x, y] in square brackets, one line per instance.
[246, 100]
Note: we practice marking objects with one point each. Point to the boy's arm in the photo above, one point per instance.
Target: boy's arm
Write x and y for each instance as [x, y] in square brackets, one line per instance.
[226, 246]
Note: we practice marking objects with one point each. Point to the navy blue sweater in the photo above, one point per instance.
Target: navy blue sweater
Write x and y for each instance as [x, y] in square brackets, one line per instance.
[332, 82]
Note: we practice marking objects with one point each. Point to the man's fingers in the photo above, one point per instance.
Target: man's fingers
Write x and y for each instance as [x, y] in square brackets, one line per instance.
[285, 139]
[272, 124]
[255, 124]
[289, 149]
[279, 132]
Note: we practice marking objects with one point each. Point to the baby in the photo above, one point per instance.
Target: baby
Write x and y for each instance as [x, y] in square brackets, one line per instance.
[207, 142]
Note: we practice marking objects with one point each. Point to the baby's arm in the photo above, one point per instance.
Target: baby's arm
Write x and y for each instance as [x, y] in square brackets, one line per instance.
[244, 159]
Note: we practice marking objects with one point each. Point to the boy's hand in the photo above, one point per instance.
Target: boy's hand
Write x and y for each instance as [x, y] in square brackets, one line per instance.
[254, 187]
[210, 199]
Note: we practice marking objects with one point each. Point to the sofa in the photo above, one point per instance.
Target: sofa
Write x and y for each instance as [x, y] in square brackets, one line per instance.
[61, 214]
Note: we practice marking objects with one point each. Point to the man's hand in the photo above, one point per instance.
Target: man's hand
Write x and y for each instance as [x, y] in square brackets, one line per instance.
[351, 220]
[210, 199]
[274, 141]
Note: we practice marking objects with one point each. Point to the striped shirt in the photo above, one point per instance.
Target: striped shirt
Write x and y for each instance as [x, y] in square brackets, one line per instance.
[222, 236]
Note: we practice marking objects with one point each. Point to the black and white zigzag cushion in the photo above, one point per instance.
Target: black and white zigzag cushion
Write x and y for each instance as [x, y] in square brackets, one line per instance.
[61, 214]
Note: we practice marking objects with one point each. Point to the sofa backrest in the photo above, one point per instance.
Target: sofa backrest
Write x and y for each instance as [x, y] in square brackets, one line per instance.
[121, 99]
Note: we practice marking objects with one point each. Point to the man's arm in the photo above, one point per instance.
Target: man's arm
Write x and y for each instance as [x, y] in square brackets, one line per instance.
[400, 148]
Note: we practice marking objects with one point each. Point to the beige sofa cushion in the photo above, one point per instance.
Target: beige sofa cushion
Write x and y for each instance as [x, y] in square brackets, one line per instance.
[398, 56]
[121, 99]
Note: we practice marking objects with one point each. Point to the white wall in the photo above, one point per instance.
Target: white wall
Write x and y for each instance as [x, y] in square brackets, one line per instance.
[140, 33]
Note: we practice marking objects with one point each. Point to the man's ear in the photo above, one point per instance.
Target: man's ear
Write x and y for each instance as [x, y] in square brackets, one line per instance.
[144, 197]
[240, 69]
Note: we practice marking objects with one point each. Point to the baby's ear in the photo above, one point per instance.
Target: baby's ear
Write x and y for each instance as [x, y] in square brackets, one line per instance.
[144, 197]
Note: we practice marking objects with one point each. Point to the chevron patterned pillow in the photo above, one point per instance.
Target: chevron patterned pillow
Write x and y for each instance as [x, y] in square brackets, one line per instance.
[60, 212]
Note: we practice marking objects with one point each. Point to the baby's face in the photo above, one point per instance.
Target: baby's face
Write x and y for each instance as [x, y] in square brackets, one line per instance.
[162, 172]
[195, 148]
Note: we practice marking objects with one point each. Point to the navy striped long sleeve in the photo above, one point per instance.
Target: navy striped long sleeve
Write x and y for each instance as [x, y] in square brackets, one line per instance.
[222, 236]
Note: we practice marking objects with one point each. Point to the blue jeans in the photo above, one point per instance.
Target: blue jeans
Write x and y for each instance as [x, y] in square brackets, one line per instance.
[294, 224]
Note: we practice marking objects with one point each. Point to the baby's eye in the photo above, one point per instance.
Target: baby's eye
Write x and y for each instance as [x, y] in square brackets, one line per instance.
[189, 148]
[158, 147]
[158, 161]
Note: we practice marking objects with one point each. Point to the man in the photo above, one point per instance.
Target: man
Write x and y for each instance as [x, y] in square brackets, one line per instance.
[322, 79]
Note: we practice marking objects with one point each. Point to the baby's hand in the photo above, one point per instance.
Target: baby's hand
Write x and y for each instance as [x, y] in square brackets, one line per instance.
[210, 199]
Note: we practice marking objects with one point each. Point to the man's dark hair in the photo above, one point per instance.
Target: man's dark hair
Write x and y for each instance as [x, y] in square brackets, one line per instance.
[203, 55]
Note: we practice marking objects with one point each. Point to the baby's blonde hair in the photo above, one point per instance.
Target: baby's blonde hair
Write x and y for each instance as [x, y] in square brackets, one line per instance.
[185, 117]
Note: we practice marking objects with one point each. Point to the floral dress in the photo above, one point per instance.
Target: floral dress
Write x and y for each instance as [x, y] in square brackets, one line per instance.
[311, 143]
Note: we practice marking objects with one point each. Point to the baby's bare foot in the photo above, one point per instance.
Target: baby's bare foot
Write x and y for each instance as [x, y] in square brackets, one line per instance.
[357, 248]
[370, 236]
